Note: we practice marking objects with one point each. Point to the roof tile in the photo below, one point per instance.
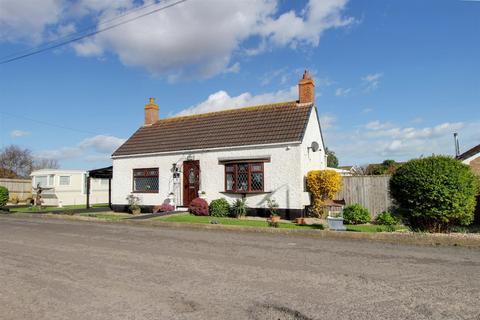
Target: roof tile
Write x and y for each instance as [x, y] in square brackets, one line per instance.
[275, 123]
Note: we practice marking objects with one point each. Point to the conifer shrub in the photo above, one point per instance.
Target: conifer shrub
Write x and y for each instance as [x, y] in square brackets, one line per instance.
[219, 208]
[3, 197]
[435, 193]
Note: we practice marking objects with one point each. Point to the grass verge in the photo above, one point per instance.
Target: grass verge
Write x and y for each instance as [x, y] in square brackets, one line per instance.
[187, 218]
[52, 209]
[374, 228]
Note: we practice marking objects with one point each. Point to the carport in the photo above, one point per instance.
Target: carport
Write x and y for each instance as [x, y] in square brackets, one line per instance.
[102, 173]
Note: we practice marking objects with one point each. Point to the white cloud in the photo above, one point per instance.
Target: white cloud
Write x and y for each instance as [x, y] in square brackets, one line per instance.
[195, 39]
[342, 92]
[19, 133]
[327, 120]
[377, 125]
[372, 81]
[26, 20]
[100, 146]
[376, 141]
[221, 100]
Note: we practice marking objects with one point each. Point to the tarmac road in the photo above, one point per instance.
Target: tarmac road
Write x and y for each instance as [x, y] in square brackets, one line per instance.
[58, 269]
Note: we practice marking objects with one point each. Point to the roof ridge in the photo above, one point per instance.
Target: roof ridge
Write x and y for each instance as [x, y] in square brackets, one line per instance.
[277, 104]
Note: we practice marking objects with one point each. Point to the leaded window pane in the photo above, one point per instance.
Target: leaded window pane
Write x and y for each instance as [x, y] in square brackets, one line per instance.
[257, 181]
[256, 167]
[230, 181]
[145, 180]
[242, 177]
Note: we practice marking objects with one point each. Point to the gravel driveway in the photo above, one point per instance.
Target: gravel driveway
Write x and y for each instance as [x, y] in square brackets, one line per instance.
[52, 269]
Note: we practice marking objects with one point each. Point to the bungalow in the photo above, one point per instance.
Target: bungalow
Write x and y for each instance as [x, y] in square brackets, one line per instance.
[253, 152]
[471, 157]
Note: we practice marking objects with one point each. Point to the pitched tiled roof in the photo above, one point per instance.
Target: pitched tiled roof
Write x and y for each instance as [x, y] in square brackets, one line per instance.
[274, 123]
[469, 153]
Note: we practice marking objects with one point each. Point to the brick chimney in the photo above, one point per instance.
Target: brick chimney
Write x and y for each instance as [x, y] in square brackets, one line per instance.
[151, 112]
[306, 89]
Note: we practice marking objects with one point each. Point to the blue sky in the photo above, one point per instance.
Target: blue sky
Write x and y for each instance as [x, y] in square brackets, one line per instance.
[394, 79]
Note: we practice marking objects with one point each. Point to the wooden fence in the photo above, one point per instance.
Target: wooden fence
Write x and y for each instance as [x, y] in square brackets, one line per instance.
[22, 188]
[371, 192]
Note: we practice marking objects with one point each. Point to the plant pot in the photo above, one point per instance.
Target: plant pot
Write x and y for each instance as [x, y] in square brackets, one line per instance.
[274, 218]
[335, 223]
[300, 221]
[136, 211]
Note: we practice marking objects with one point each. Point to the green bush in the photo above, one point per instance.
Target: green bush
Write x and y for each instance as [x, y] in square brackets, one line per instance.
[435, 193]
[3, 197]
[356, 214]
[219, 208]
[386, 219]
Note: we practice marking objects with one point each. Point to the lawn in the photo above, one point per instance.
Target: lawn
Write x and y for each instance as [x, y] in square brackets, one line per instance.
[373, 228]
[188, 218]
[52, 209]
[107, 216]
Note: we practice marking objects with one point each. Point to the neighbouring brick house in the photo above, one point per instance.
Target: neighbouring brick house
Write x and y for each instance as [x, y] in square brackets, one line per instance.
[253, 152]
[471, 157]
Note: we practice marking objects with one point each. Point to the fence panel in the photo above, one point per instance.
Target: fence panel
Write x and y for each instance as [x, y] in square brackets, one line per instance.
[22, 188]
[371, 192]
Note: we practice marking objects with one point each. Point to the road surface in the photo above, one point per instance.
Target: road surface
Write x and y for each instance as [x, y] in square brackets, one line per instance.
[58, 269]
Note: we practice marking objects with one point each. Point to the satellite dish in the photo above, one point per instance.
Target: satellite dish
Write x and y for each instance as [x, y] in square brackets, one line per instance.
[315, 146]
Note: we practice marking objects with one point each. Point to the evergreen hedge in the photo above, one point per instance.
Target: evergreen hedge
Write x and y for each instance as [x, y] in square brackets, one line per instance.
[435, 193]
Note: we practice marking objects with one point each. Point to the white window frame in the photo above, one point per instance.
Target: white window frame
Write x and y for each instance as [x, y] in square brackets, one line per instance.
[43, 177]
[62, 177]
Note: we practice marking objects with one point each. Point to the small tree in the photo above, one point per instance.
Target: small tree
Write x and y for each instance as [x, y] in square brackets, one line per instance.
[435, 193]
[323, 185]
[332, 160]
[3, 196]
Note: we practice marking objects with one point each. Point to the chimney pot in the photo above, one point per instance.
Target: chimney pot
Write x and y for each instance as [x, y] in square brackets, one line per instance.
[306, 89]
[151, 112]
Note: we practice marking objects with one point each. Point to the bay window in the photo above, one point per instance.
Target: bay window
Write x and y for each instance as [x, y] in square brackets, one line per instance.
[244, 177]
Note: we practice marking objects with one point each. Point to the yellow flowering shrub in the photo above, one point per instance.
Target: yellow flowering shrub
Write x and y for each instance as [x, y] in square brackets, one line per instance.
[323, 185]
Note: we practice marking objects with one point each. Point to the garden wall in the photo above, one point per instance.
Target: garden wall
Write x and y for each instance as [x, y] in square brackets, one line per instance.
[22, 188]
[371, 192]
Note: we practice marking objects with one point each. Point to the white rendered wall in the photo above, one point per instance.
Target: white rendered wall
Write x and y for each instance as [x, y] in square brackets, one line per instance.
[311, 160]
[282, 181]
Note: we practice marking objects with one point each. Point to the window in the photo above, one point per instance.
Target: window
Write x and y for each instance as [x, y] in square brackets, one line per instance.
[64, 180]
[145, 180]
[41, 180]
[244, 177]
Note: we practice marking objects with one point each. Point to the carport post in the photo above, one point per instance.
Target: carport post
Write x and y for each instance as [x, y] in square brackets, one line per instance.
[88, 191]
[110, 193]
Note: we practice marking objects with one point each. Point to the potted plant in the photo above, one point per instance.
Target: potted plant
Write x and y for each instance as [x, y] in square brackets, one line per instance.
[134, 204]
[273, 209]
[239, 208]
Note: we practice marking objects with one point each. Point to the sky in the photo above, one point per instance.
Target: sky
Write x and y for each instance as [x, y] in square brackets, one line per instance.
[394, 79]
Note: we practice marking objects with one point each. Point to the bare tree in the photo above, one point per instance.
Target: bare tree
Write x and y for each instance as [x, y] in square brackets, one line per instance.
[16, 162]
[41, 163]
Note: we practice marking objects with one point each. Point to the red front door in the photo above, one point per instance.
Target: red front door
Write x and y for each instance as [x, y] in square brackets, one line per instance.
[191, 181]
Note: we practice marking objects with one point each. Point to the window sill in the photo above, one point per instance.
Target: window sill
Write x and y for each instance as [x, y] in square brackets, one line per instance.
[153, 191]
[245, 192]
